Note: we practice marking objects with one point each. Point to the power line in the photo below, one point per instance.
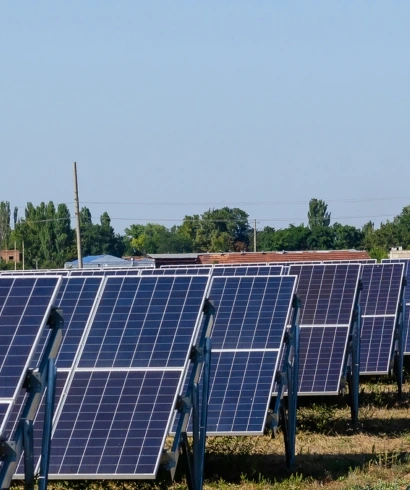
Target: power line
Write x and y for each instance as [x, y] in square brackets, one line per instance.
[201, 220]
[242, 203]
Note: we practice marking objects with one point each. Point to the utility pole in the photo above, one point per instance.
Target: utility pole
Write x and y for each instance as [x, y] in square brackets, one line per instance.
[22, 246]
[254, 237]
[77, 215]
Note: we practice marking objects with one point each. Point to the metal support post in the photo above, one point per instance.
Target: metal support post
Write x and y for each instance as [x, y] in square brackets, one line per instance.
[293, 385]
[192, 406]
[285, 411]
[355, 367]
[48, 419]
[204, 408]
[399, 351]
[28, 445]
[34, 384]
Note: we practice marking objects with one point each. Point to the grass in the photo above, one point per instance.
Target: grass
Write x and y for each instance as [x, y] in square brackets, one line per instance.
[330, 452]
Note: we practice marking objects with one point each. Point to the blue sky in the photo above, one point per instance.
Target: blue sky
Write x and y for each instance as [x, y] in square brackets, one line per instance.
[175, 107]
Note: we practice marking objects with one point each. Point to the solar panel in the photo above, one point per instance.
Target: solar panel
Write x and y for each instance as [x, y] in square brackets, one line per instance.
[247, 341]
[190, 271]
[406, 325]
[122, 391]
[242, 264]
[105, 272]
[181, 266]
[251, 270]
[25, 304]
[380, 298]
[328, 294]
[76, 297]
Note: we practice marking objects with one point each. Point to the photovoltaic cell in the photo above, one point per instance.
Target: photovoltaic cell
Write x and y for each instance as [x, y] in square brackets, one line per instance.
[376, 344]
[379, 300]
[104, 272]
[38, 420]
[76, 297]
[25, 303]
[381, 288]
[328, 293]
[114, 423]
[251, 315]
[406, 263]
[250, 311]
[242, 264]
[144, 323]
[241, 383]
[252, 270]
[122, 391]
[180, 271]
[321, 355]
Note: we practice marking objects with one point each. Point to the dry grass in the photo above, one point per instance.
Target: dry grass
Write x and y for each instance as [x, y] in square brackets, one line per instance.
[331, 453]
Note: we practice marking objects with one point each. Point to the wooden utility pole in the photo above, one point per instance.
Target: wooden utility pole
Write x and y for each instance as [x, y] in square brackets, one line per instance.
[254, 237]
[77, 216]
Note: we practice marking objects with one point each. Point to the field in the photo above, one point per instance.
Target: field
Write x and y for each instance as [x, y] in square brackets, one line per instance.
[331, 454]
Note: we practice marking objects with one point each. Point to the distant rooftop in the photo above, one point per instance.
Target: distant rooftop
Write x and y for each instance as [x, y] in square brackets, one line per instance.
[93, 261]
[284, 256]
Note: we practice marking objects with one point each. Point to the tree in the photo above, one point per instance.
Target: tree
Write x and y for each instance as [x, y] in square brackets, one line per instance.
[5, 229]
[318, 215]
[346, 237]
[217, 230]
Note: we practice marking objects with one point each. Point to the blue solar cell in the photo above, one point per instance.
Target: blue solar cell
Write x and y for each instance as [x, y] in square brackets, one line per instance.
[16, 413]
[406, 263]
[3, 409]
[241, 387]
[321, 355]
[247, 271]
[380, 296]
[114, 423]
[24, 306]
[25, 303]
[327, 292]
[181, 271]
[381, 288]
[406, 324]
[76, 298]
[251, 315]
[144, 322]
[376, 344]
[104, 272]
[250, 311]
[243, 264]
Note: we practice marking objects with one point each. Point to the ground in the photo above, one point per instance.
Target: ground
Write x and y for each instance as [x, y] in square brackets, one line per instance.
[330, 452]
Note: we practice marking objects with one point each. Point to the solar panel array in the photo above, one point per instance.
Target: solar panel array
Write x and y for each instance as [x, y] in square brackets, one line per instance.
[121, 393]
[379, 300]
[328, 294]
[127, 340]
[406, 264]
[25, 304]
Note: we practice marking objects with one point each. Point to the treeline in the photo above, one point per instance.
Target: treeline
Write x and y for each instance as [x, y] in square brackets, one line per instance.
[48, 234]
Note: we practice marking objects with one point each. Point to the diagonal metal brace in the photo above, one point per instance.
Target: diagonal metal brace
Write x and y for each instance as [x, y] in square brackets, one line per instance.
[7, 451]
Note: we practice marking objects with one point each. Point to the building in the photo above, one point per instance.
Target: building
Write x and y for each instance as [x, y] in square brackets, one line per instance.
[256, 257]
[10, 256]
[399, 253]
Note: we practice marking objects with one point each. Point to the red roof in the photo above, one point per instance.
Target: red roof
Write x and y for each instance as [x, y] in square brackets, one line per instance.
[303, 256]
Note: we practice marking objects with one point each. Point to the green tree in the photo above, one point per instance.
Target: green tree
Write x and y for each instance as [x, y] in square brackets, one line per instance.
[346, 237]
[217, 230]
[318, 216]
[5, 229]
[290, 239]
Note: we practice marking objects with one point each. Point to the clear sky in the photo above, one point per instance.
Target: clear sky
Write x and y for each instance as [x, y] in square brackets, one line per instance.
[174, 107]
